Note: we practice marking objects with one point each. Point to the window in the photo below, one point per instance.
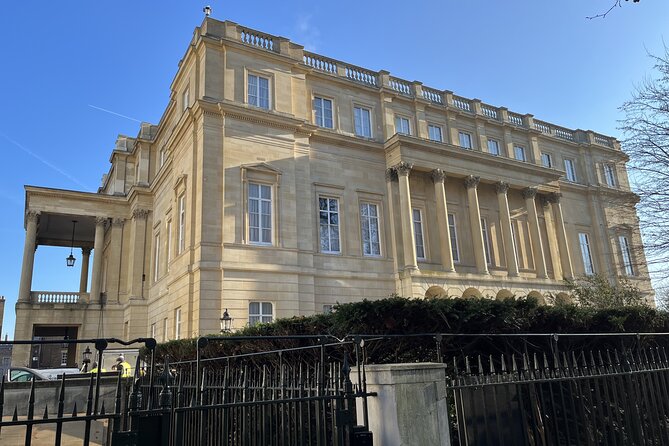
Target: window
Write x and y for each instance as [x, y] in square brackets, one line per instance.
[363, 122]
[369, 222]
[546, 160]
[169, 242]
[627, 255]
[402, 125]
[153, 330]
[584, 241]
[260, 214]
[609, 175]
[323, 112]
[465, 140]
[165, 330]
[328, 308]
[260, 312]
[181, 241]
[418, 232]
[452, 230]
[434, 132]
[493, 147]
[185, 98]
[519, 153]
[258, 91]
[156, 258]
[177, 323]
[328, 211]
[486, 242]
[569, 169]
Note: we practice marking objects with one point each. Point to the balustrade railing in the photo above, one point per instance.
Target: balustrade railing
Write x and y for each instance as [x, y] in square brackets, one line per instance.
[603, 140]
[401, 86]
[320, 63]
[433, 95]
[543, 127]
[563, 133]
[516, 119]
[361, 75]
[258, 39]
[462, 103]
[489, 111]
[54, 297]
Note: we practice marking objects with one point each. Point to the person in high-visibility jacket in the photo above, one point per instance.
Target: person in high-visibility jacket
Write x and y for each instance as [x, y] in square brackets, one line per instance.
[122, 364]
[95, 368]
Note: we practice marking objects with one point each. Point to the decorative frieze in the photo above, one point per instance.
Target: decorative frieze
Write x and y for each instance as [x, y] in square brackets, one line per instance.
[501, 187]
[403, 168]
[472, 181]
[438, 176]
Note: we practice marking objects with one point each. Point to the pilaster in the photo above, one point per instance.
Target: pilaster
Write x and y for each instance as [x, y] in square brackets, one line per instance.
[502, 189]
[471, 183]
[529, 195]
[438, 178]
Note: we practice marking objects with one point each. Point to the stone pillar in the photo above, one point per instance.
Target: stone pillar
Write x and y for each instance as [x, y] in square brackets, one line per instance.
[136, 253]
[408, 237]
[85, 259]
[471, 183]
[565, 257]
[391, 177]
[29, 247]
[529, 195]
[411, 407]
[507, 236]
[552, 239]
[438, 178]
[114, 262]
[96, 279]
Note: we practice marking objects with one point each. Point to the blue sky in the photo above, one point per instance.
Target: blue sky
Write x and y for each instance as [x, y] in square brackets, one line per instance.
[63, 62]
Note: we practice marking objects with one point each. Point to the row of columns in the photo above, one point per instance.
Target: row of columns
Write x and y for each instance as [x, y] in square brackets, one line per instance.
[562, 268]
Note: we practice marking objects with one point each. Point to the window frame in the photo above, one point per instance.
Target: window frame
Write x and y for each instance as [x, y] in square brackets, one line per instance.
[626, 255]
[453, 234]
[497, 151]
[465, 136]
[261, 314]
[546, 156]
[322, 116]
[168, 245]
[585, 248]
[152, 330]
[402, 119]
[177, 323]
[355, 127]
[261, 200]
[156, 257]
[438, 128]
[185, 99]
[487, 246]
[181, 231]
[570, 170]
[247, 91]
[420, 239]
[328, 212]
[610, 175]
[369, 204]
[519, 150]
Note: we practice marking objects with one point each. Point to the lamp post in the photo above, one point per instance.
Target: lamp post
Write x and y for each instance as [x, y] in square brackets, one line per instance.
[87, 358]
[226, 322]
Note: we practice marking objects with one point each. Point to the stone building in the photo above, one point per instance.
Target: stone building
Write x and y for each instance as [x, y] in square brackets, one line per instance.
[279, 182]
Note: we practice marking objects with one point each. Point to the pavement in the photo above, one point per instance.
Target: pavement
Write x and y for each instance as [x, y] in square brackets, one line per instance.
[45, 434]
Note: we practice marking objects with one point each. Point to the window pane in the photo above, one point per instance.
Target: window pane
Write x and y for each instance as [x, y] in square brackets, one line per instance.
[254, 307]
[267, 308]
[493, 147]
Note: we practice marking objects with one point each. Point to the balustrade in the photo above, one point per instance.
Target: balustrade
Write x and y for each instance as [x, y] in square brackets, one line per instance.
[401, 86]
[489, 111]
[462, 103]
[256, 38]
[54, 297]
[320, 63]
[516, 119]
[433, 95]
[361, 75]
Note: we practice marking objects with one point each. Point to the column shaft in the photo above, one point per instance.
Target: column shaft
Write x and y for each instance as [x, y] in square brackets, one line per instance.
[96, 278]
[136, 254]
[507, 235]
[439, 178]
[565, 257]
[537, 246]
[471, 183]
[408, 244]
[28, 256]
[552, 241]
[85, 259]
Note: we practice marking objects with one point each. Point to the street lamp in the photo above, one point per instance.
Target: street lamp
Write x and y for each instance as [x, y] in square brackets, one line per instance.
[226, 322]
[87, 358]
[70, 260]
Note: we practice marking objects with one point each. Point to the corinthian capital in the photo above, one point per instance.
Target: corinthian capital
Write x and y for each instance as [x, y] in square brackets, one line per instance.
[118, 221]
[101, 221]
[438, 176]
[472, 181]
[553, 197]
[529, 192]
[140, 213]
[501, 187]
[32, 216]
[403, 168]
[391, 174]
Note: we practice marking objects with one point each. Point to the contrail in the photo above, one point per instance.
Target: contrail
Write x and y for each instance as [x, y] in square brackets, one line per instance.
[114, 113]
[44, 161]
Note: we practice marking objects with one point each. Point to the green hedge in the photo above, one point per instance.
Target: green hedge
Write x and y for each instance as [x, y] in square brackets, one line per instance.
[397, 315]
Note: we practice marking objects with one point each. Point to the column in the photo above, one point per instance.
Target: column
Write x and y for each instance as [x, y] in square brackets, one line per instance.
[137, 253]
[391, 177]
[438, 178]
[96, 278]
[529, 195]
[507, 236]
[565, 257]
[114, 259]
[85, 259]
[408, 243]
[29, 247]
[552, 239]
[471, 183]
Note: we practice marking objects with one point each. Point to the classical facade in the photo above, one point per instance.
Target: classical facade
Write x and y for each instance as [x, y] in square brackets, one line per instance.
[279, 182]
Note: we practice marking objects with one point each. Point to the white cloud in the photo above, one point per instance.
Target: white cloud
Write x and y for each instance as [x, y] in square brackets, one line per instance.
[306, 33]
